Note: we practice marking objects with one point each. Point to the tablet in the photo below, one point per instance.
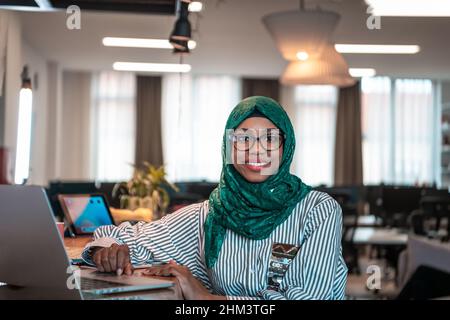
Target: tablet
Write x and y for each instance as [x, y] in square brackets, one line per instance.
[85, 212]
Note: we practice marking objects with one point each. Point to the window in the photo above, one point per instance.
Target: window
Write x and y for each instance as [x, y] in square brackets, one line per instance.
[194, 122]
[113, 125]
[397, 125]
[314, 122]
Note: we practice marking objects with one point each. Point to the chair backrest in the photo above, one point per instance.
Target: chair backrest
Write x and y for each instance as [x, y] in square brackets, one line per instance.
[436, 205]
[398, 202]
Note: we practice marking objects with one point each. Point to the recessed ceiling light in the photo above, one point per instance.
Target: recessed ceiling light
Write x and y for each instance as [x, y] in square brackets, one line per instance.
[142, 43]
[377, 48]
[151, 67]
[362, 72]
[410, 8]
[195, 6]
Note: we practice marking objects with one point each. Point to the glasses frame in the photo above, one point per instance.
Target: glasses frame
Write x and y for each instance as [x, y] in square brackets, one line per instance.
[233, 137]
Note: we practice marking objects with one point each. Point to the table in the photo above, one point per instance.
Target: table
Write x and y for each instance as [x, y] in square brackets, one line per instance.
[363, 221]
[379, 236]
[74, 248]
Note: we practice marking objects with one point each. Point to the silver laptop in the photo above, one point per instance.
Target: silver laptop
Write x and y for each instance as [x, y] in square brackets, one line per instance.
[34, 263]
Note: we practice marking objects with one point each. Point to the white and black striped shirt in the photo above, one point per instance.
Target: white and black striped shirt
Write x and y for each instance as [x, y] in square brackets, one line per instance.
[318, 271]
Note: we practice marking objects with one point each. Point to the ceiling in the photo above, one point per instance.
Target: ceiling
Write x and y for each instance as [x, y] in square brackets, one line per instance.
[140, 6]
[232, 40]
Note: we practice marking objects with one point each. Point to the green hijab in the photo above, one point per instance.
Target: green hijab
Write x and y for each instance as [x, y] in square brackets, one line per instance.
[252, 210]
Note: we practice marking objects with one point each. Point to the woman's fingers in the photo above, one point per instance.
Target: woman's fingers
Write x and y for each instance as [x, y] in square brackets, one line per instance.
[166, 270]
[123, 259]
[105, 260]
[128, 269]
[112, 257]
[98, 260]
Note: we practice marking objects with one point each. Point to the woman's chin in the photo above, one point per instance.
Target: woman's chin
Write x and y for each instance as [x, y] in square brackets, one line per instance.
[253, 177]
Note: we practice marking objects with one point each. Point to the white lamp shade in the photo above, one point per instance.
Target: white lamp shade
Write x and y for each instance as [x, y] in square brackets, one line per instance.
[301, 31]
[329, 68]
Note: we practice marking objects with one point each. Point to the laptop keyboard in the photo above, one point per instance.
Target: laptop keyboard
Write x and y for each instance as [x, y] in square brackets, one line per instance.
[95, 284]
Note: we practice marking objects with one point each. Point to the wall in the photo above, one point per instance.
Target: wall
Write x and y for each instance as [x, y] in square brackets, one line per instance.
[12, 85]
[37, 67]
[75, 147]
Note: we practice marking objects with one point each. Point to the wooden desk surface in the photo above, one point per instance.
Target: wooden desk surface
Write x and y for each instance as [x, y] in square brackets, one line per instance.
[74, 247]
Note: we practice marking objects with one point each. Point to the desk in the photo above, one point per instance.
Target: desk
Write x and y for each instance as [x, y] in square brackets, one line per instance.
[379, 236]
[363, 221]
[74, 248]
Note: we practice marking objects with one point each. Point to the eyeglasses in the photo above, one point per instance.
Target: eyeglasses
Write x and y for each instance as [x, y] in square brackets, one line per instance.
[271, 140]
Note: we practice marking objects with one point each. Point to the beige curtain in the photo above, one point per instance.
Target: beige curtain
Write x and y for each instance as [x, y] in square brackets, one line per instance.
[148, 121]
[348, 169]
[261, 87]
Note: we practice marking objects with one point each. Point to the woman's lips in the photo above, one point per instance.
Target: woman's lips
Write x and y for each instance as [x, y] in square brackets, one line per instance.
[256, 166]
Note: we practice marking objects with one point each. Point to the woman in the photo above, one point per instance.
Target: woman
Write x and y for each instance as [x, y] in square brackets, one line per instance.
[263, 233]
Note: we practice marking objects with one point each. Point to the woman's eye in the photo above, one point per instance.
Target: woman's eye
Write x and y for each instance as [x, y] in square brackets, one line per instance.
[242, 138]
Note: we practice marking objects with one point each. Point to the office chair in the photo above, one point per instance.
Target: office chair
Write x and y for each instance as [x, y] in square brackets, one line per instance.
[436, 207]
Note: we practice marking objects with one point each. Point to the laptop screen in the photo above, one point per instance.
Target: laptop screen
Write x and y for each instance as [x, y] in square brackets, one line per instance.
[87, 212]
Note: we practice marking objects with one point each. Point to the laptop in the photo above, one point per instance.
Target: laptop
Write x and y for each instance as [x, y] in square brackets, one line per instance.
[33, 260]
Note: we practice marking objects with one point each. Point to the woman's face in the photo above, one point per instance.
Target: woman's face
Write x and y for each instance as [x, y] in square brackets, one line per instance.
[257, 151]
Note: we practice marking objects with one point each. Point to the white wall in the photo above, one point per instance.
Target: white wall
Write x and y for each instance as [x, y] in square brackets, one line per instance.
[12, 85]
[58, 148]
[37, 68]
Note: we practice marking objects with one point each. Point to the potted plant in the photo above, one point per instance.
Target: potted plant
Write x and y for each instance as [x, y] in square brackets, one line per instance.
[143, 197]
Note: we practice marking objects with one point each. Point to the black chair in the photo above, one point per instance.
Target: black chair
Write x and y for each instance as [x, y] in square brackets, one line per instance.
[397, 203]
[437, 207]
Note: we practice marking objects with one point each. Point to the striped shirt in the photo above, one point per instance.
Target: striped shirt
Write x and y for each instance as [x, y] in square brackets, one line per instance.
[318, 271]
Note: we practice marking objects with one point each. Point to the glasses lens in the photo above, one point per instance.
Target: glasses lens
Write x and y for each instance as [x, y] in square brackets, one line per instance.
[243, 142]
[271, 141]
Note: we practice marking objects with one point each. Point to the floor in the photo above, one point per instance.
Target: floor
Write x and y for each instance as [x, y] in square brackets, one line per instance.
[375, 282]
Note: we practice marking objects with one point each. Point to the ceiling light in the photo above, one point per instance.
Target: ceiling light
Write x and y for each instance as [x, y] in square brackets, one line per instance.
[301, 30]
[329, 68]
[410, 8]
[302, 55]
[151, 67]
[377, 48]
[362, 72]
[182, 29]
[44, 4]
[195, 6]
[142, 43]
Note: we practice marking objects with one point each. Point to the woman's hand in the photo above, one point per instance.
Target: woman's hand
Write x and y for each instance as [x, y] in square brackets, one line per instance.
[191, 288]
[113, 259]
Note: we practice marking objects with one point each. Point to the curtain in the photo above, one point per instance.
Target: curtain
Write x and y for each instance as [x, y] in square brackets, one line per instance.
[261, 87]
[377, 129]
[413, 131]
[148, 121]
[397, 121]
[113, 125]
[4, 165]
[347, 150]
[312, 109]
[194, 113]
